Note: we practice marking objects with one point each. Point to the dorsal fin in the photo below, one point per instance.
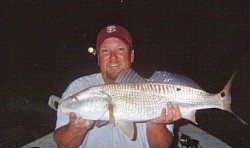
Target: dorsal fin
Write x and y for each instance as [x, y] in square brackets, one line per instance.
[170, 78]
[129, 75]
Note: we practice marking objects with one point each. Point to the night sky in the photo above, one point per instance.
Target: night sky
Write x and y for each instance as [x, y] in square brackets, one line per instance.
[43, 47]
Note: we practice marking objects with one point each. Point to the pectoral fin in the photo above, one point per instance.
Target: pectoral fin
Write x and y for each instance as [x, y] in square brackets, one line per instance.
[126, 128]
[100, 123]
[111, 112]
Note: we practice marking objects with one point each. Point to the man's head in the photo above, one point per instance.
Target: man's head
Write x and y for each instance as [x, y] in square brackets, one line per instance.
[114, 51]
[114, 31]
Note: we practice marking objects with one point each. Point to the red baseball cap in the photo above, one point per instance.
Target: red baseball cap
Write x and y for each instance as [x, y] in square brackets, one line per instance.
[114, 31]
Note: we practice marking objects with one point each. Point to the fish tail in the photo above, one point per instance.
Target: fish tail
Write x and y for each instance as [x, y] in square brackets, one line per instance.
[227, 99]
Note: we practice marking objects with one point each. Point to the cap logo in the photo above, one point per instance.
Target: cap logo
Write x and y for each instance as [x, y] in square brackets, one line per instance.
[111, 29]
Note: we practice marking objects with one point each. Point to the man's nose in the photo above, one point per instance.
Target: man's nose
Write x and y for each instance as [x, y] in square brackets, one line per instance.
[113, 54]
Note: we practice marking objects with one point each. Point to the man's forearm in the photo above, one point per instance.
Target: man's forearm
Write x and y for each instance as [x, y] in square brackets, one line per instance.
[69, 136]
[158, 135]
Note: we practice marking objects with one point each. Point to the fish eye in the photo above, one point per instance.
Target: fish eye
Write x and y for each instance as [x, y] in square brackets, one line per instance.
[74, 99]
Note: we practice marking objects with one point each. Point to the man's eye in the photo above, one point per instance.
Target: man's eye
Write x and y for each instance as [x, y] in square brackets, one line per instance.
[104, 51]
[121, 49]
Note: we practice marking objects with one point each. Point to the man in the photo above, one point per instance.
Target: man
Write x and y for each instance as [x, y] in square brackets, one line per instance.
[115, 53]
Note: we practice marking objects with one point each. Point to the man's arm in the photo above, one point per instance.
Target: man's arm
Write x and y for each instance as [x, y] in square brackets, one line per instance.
[158, 134]
[72, 134]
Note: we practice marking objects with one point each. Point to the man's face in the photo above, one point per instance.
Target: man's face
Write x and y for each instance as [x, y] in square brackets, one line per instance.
[114, 56]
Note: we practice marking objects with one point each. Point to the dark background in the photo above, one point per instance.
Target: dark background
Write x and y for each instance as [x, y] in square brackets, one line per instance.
[43, 47]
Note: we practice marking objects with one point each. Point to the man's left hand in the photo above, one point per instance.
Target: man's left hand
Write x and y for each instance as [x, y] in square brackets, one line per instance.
[168, 115]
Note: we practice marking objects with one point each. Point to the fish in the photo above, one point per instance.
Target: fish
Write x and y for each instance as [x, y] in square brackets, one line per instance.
[133, 98]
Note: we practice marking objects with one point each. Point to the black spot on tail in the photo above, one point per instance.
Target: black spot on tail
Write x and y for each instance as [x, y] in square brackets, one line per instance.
[178, 89]
[223, 94]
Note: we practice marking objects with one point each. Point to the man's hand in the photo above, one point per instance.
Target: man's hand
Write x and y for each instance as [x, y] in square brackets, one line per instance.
[168, 115]
[79, 122]
[72, 134]
[158, 134]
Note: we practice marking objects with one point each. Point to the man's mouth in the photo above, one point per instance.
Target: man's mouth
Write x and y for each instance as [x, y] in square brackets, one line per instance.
[114, 65]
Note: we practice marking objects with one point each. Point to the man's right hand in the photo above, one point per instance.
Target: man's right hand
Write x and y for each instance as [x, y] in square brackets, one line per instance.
[79, 122]
[72, 134]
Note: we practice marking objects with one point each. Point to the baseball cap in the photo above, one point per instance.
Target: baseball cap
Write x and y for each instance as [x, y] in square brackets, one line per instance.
[114, 31]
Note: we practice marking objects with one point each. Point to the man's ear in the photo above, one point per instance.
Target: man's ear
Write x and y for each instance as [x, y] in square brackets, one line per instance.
[98, 60]
[132, 56]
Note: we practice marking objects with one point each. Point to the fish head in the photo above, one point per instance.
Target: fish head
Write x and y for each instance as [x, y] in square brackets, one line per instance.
[89, 104]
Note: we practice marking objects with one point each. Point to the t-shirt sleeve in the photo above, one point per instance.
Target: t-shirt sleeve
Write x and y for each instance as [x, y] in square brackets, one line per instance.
[171, 128]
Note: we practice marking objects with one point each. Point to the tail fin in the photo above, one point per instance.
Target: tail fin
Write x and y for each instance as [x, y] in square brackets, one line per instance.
[226, 95]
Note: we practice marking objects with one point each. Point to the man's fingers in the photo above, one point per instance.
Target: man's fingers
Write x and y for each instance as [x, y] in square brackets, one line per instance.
[177, 112]
[170, 110]
[163, 113]
[72, 117]
[88, 123]
[169, 114]
[79, 122]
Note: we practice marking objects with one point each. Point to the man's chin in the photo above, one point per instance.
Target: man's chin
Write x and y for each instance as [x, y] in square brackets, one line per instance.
[113, 75]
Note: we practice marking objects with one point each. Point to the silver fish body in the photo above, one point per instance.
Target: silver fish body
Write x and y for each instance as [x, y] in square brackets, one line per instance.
[125, 103]
[138, 101]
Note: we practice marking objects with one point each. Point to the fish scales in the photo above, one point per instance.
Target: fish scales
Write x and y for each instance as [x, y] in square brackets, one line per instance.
[172, 93]
[129, 100]
[148, 98]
